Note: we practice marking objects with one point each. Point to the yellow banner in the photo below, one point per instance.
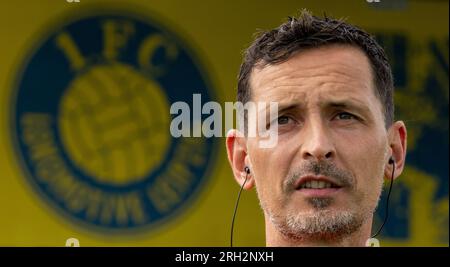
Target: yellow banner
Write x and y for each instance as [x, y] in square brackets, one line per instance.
[86, 91]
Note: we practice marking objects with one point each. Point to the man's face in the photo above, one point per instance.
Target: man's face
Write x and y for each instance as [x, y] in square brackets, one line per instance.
[324, 177]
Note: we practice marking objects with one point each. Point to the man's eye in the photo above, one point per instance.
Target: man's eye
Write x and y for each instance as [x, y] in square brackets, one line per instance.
[345, 116]
[283, 120]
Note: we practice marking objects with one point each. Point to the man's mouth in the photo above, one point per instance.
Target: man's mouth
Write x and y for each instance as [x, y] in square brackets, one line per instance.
[316, 182]
[317, 186]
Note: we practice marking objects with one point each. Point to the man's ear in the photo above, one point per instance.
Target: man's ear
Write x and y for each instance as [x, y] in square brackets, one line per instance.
[397, 143]
[238, 158]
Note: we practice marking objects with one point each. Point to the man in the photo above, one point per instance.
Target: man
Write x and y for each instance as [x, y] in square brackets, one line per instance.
[321, 183]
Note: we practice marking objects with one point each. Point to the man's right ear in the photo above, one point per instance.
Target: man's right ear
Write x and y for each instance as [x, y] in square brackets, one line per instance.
[238, 158]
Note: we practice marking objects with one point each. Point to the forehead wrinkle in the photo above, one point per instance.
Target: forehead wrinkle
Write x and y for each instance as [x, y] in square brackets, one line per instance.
[331, 91]
[278, 83]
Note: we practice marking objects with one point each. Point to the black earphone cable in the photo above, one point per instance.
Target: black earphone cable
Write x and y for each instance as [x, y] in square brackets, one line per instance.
[391, 161]
[247, 172]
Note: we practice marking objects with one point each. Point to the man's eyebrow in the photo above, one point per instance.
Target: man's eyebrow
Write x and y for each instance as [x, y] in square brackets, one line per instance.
[344, 104]
[348, 104]
[285, 107]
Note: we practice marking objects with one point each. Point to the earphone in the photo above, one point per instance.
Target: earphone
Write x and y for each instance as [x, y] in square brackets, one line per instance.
[247, 172]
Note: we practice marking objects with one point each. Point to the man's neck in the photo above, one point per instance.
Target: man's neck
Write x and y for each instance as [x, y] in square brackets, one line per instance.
[274, 238]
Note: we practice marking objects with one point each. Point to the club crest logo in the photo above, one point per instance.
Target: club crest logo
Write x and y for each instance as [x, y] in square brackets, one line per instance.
[90, 118]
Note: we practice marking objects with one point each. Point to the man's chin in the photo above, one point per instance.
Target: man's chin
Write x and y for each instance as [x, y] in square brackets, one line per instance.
[315, 225]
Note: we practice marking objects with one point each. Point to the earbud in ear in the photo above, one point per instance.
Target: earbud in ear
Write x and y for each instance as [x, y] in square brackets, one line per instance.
[391, 160]
[247, 170]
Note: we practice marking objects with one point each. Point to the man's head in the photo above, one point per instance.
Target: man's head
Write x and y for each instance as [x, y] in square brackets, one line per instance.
[306, 32]
[322, 181]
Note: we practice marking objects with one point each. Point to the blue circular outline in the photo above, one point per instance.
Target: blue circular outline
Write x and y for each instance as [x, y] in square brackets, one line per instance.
[148, 18]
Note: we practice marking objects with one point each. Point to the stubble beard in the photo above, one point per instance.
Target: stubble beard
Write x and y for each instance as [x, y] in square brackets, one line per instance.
[321, 222]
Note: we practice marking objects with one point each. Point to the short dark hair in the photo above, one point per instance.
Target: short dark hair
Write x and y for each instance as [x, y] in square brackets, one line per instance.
[306, 32]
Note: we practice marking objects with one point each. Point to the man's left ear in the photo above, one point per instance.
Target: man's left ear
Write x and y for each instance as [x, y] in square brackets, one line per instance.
[397, 142]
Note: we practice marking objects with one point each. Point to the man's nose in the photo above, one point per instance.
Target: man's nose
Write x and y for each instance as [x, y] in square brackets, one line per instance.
[317, 142]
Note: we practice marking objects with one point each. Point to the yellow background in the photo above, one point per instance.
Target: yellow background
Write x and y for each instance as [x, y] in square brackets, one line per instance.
[217, 31]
